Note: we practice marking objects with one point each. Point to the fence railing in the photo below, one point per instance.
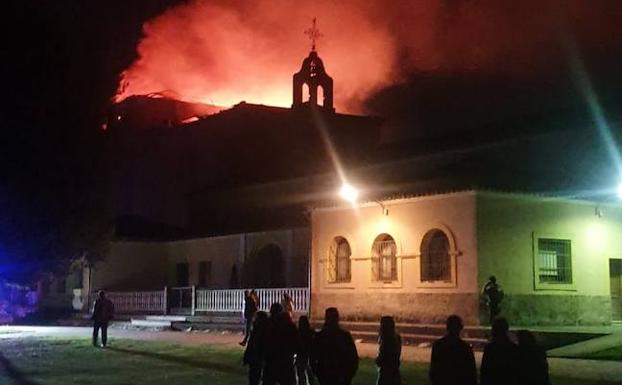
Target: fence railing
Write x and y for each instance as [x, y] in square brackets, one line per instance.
[233, 299]
[139, 301]
[189, 300]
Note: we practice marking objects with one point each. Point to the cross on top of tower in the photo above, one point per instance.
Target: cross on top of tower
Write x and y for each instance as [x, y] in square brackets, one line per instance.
[314, 34]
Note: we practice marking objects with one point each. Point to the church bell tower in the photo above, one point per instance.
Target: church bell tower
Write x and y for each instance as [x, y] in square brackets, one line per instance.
[313, 75]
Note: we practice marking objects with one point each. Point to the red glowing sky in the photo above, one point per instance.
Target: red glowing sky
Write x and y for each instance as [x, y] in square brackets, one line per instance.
[223, 52]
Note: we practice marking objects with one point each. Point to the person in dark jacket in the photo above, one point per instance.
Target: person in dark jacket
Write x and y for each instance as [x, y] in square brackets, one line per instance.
[250, 308]
[389, 353]
[493, 295]
[452, 361]
[255, 350]
[281, 346]
[103, 313]
[307, 340]
[334, 359]
[500, 362]
[533, 366]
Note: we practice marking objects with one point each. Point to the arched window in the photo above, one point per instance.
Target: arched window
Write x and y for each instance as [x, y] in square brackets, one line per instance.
[383, 258]
[339, 261]
[435, 257]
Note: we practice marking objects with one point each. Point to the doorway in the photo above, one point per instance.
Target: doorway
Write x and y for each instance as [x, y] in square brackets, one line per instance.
[615, 281]
[265, 268]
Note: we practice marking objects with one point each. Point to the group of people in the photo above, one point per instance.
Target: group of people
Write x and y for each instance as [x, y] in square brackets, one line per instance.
[251, 305]
[503, 363]
[278, 352]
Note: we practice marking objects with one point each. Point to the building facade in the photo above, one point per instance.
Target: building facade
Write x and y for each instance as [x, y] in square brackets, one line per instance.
[431, 255]
[260, 259]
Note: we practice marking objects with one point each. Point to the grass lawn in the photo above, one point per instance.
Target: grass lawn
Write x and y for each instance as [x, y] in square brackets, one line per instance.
[30, 361]
[611, 354]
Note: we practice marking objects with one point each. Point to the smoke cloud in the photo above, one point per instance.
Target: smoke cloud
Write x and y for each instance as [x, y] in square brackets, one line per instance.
[223, 52]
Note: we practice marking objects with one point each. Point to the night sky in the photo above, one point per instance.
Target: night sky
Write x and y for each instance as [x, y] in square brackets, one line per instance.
[449, 66]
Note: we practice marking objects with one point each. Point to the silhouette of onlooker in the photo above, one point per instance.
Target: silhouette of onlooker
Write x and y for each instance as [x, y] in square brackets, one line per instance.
[288, 304]
[255, 297]
[255, 350]
[452, 361]
[500, 362]
[307, 339]
[335, 359]
[103, 312]
[389, 353]
[250, 308]
[533, 366]
[281, 346]
[493, 295]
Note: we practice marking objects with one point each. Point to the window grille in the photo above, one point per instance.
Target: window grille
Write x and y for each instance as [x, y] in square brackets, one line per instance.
[554, 261]
[339, 261]
[435, 258]
[384, 260]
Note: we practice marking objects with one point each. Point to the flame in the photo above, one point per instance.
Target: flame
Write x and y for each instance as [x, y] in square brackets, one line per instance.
[222, 52]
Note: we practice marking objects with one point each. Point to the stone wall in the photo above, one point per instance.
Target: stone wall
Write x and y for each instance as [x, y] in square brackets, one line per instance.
[405, 307]
[555, 309]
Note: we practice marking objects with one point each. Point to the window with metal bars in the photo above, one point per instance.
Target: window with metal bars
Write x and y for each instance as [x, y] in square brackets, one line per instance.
[339, 261]
[554, 261]
[384, 260]
[435, 258]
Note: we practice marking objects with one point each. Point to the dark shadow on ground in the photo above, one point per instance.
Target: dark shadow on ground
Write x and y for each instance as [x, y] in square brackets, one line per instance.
[13, 373]
[183, 361]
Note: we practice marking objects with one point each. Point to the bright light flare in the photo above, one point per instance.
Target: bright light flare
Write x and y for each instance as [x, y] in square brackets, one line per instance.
[620, 190]
[349, 193]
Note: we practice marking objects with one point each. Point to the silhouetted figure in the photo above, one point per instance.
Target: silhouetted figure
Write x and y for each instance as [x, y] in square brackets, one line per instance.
[533, 366]
[307, 340]
[255, 297]
[389, 353]
[493, 296]
[256, 348]
[103, 312]
[334, 359]
[288, 305]
[250, 308]
[282, 344]
[452, 361]
[500, 363]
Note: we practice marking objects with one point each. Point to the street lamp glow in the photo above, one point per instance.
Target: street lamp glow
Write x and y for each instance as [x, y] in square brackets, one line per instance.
[620, 190]
[349, 193]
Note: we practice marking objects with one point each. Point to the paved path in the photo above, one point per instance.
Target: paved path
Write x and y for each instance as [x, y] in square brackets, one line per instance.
[571, 368]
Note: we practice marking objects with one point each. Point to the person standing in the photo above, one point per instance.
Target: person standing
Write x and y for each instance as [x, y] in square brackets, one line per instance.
[533, 366]
[335, 359]
[307, 340]
[288, 305]
[452, 361]
[256, 348]
[500, 362]
[493, 294]
[250, 308]
[103, 313]
[389, 353]
[281, 346]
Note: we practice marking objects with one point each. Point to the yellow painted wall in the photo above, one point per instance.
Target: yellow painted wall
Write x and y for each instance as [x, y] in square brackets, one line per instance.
[506, 224]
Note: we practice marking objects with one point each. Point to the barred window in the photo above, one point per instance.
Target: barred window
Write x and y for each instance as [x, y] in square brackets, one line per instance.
[339, 261]
[554, 261]
[384, 260]
[435, 258]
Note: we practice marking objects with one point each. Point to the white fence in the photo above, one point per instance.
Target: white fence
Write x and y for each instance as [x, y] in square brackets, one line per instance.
[138, 301]
[202, 300]
[233, 299]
